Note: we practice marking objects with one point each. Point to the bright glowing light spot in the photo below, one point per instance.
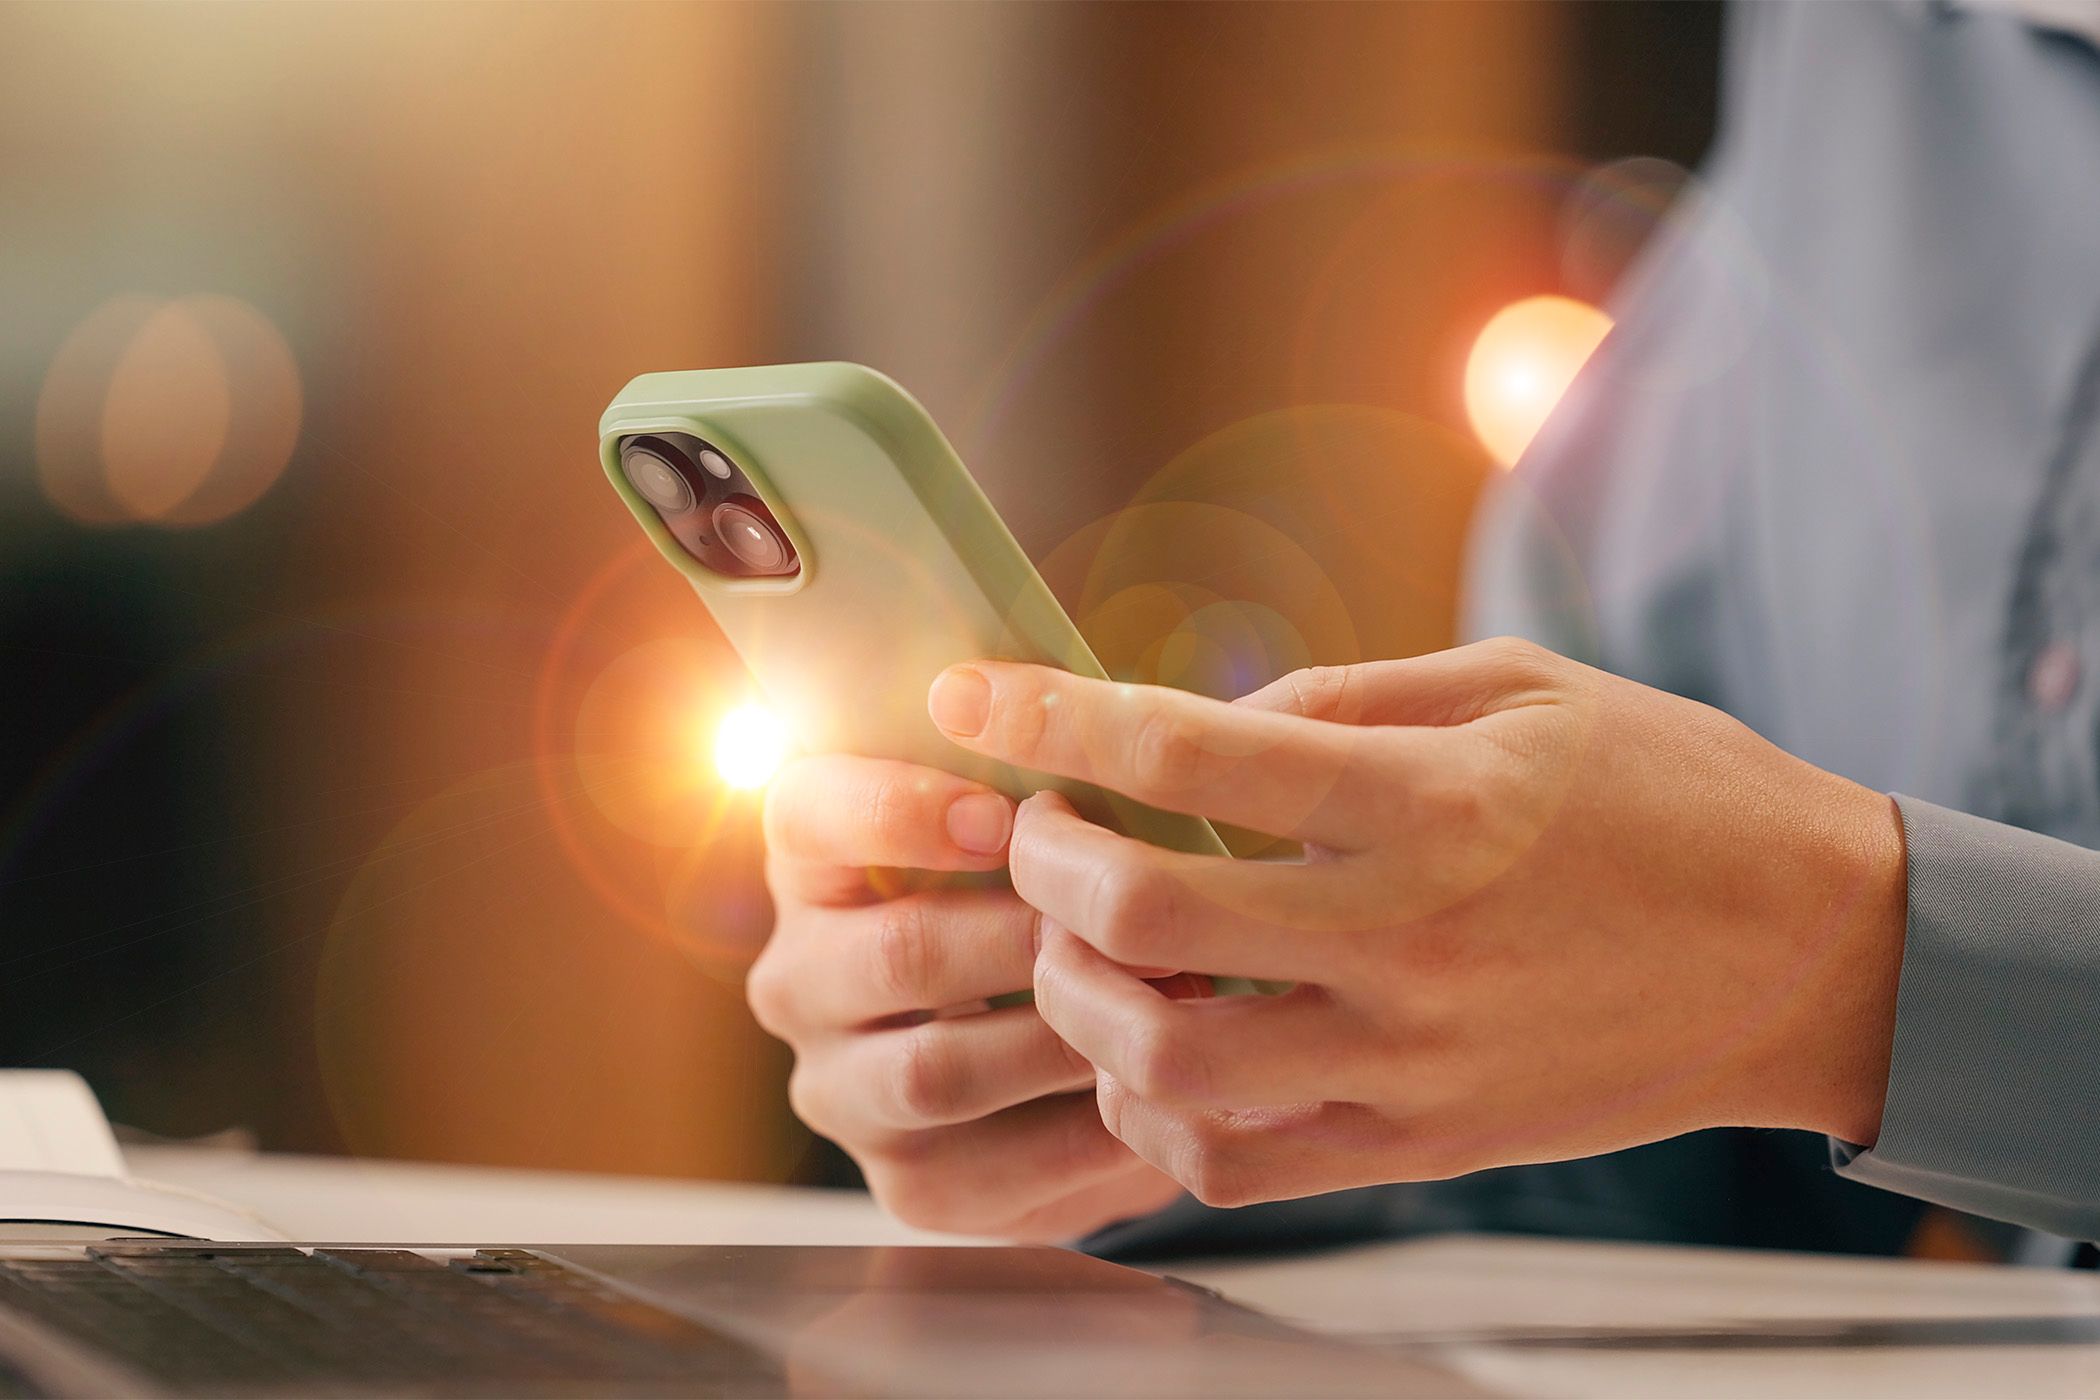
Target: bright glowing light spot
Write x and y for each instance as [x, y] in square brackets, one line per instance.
[1521, 382]
[750, 745]
[1521, 364]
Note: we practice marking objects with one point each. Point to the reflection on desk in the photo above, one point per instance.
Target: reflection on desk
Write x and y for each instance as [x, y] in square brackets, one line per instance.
[1554, 1317]
[1522, 1316]
[359, 1201]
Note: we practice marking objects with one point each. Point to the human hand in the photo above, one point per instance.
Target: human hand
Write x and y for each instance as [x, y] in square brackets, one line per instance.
[962, 1116]
[1544, 912]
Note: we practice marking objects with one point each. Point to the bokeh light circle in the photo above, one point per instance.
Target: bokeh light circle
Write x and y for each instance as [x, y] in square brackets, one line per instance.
[165, 414]
[1522, 363]
[1613, 212]
[1325, 535]
[173, 412]
[69, 410]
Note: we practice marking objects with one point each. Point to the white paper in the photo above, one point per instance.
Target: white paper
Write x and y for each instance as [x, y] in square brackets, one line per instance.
[50, 1122]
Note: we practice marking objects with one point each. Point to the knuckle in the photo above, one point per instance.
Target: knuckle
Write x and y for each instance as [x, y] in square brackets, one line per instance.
[1083, 1144]
[1431, 953]
[889, 805]
[925, 1181]
[804, 1100]
[777, 883]
[910, 1194]
[1223, 1188]
[768, 992]
[1521, 662]
[1022, 715]
[1459, 801]
[1212, 1171]
[1077, 1064]
[1424, 1150]
[928, 1083]
[903, 953]
[1164, 1065]
[1322, 692]
[1507, 650]
[1138, 909]
[777, 813]
[1111, 1105]
[1167, 753]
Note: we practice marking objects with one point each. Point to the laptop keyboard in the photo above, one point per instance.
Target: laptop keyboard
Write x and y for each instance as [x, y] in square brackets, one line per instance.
[208, 1321]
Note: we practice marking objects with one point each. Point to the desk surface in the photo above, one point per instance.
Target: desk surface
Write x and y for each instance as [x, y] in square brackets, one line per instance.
[1531, 1317]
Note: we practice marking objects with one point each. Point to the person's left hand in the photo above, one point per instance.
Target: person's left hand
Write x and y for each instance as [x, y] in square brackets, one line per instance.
[1543, 913]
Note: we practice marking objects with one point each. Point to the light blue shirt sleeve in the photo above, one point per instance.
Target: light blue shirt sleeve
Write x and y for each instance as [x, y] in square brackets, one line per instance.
[1994, 1092]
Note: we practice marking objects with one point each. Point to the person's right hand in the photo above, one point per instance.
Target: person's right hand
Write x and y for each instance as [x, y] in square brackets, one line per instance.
[962, 1116]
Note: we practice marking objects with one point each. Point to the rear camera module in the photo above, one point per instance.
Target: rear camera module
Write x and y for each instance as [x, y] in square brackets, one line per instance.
[707, 503]
[661, 484]
[746, 529]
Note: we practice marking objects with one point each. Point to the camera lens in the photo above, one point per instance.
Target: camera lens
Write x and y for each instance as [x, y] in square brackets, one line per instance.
[747, 530]
[661, 484]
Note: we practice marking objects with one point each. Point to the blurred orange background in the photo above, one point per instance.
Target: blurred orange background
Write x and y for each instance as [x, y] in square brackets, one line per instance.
[355, 784]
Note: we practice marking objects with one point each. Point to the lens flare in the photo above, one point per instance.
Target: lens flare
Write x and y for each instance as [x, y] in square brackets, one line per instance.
[1521, 364]
[750, 745]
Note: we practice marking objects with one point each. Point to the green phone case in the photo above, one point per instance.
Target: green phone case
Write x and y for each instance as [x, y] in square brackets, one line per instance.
[906, 568]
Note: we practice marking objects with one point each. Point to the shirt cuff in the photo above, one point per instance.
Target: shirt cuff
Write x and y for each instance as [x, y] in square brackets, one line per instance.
[1994, 1088]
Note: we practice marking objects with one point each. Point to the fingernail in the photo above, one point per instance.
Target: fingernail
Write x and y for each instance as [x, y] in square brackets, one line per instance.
[980, 822]
[960, 701]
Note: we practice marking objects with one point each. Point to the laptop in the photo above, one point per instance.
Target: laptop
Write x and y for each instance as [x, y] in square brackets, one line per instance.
[158, 1317]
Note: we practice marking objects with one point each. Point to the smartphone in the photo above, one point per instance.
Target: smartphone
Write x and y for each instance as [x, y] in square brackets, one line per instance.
[849, 558]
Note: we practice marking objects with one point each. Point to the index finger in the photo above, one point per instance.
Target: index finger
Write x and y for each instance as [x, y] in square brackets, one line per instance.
[1146, 907]
[840, 811]
[1282, 774]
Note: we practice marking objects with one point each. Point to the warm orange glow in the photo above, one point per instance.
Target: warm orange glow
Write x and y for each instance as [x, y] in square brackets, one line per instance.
[640, 751]
[1521, 364]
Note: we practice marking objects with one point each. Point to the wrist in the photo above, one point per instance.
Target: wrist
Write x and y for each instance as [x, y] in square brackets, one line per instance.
[1852, 1005]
